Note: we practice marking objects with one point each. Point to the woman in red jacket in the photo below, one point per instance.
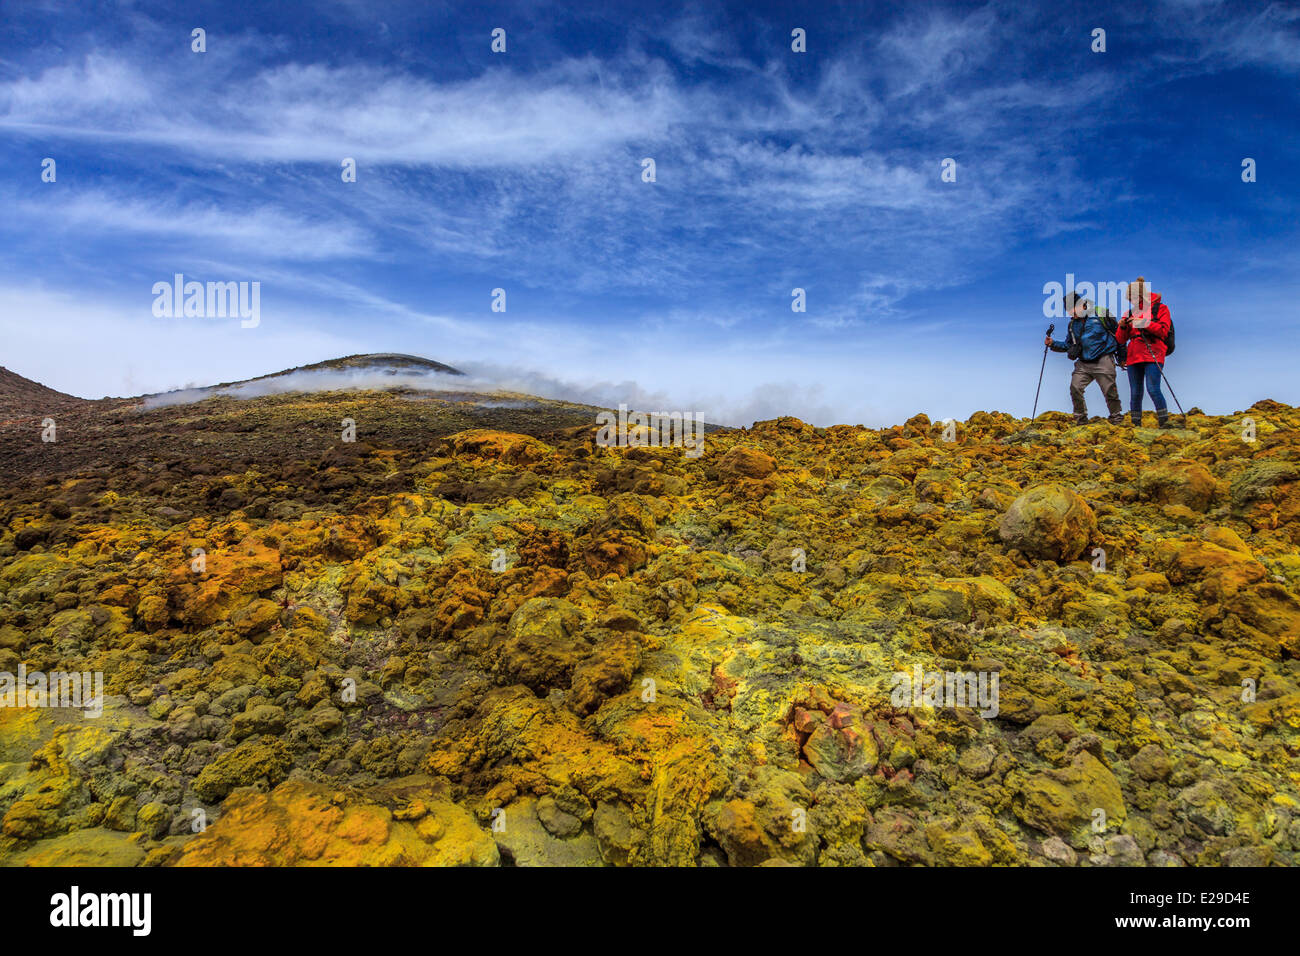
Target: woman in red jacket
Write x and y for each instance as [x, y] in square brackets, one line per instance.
[1144, 327]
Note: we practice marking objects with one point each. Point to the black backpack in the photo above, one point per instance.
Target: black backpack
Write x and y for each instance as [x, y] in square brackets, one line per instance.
[1111, 325]
[1169, 336]
[1121, 348]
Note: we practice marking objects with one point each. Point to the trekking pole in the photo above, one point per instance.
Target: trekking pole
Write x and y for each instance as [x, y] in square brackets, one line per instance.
[1171, 391]
[1160, 365]
[1050, 329]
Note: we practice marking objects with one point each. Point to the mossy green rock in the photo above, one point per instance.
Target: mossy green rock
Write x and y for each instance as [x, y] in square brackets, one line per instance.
[1048, 521]
[1065, 801]
[257, 760]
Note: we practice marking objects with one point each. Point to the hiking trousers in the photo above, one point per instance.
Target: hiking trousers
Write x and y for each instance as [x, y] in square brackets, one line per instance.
[1146, 374]
[1101, 371]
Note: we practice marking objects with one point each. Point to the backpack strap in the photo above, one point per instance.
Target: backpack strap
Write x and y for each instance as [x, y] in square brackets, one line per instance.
[1155, 313]
[1070, 338]
[1107, 321]
[1148, 339]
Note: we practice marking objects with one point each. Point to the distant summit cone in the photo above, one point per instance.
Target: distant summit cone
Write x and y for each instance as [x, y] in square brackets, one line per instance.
[384, 363]
[372, 370]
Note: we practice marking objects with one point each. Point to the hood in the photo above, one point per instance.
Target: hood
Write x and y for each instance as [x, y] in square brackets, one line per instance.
[1155, 306]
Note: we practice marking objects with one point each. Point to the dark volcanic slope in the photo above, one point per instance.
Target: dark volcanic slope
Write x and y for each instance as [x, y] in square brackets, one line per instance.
[21, 397]
[223, 434]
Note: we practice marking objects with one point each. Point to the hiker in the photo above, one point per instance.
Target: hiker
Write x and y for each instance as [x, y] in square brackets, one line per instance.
[1090, 341]
[1144, 329]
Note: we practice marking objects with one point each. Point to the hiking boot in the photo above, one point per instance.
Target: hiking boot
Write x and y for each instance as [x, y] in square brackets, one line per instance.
[1162, 419]
[1116, 419]
[1136, 418]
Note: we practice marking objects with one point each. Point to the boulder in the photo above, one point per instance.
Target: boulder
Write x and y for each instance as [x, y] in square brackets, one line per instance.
[1065, 801]
[742, 462]
[1187, 483]
[1050, 522]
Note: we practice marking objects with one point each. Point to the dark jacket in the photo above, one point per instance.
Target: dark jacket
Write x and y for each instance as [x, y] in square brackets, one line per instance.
[1094, 333]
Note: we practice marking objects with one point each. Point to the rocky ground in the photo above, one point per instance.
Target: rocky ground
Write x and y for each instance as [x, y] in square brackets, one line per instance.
[475, 637]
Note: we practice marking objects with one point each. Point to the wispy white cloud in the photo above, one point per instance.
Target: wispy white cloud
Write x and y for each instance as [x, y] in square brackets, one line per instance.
[310, 112]
[270, 233]
[535, 175]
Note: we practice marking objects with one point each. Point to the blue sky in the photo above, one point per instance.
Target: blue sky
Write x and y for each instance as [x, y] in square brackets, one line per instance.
[775, 170]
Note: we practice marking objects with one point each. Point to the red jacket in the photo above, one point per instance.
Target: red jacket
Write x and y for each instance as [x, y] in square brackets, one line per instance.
[1148, 344]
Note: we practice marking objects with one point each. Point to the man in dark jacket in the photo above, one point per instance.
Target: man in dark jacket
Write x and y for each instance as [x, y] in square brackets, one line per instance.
[1090, 341]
